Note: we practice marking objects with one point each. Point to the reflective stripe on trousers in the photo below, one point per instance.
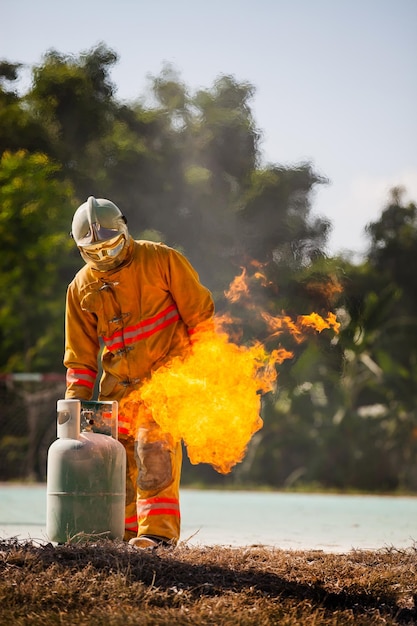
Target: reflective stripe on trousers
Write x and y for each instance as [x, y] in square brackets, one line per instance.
[152, 512]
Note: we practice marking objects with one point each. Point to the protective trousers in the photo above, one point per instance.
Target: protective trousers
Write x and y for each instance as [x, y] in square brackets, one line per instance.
[152, 484]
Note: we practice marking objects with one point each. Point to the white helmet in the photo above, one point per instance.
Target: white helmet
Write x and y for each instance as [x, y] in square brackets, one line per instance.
[99, 229]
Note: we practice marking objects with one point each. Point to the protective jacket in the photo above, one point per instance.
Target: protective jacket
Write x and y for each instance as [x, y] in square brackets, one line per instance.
[142, 314]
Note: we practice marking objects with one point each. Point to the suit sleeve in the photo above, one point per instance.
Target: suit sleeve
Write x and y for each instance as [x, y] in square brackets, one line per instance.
[81, 347]
[194, 301]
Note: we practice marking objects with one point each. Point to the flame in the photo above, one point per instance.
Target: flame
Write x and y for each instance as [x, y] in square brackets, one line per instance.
[329, 289]
[315, 321]
[239, 290]
[279, 324]
[260, 275]
[211, 399]
[296, 328]
[238, 287]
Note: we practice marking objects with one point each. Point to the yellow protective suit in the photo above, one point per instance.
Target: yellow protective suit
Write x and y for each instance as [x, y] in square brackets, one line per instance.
[142, 313]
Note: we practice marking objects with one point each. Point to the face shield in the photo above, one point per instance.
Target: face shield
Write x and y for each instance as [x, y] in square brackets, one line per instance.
[103, 250]
[97, 234]
[105, 255]
[100, 232]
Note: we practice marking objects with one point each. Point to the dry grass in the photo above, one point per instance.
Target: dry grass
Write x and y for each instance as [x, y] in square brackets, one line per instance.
[114, 584]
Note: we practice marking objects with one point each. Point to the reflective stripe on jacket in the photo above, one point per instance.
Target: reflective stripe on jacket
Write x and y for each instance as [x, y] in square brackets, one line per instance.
[141, 314]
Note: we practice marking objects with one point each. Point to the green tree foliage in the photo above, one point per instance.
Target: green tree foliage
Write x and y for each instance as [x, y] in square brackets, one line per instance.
[73, 97]
[34, 212]
[19, 129]
[347, 416]
[374, 434]
[393, 247]
[186, 169]
[276, 216]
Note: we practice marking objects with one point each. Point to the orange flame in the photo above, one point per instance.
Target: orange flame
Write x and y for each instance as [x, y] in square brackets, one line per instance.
[259, 275]
[238, 287]
[211, 398]
[279, 324]
[315, 321]
[283, 323]
[329, 289]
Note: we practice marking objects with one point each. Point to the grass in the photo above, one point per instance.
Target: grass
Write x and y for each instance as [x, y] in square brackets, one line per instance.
[114, 584]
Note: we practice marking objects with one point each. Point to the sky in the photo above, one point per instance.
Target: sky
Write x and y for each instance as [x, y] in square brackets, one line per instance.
[335, 80]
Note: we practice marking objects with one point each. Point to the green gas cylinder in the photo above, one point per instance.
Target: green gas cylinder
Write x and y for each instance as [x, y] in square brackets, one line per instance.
[86, 474]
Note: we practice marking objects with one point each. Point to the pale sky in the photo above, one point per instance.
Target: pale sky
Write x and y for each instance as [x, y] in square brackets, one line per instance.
[335, 80]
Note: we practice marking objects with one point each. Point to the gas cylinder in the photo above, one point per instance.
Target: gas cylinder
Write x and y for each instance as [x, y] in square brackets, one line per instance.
[86, 474]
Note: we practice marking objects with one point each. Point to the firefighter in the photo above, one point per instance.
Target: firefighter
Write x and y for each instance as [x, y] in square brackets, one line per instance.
[139, 303]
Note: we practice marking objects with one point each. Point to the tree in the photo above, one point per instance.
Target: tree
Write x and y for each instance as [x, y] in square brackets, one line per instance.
[186, 170]
[35, 208]
[19, 128]
[393, 245]
[74, 98]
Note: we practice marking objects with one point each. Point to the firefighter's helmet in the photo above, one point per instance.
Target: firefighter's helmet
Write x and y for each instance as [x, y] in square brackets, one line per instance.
[100, 231]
